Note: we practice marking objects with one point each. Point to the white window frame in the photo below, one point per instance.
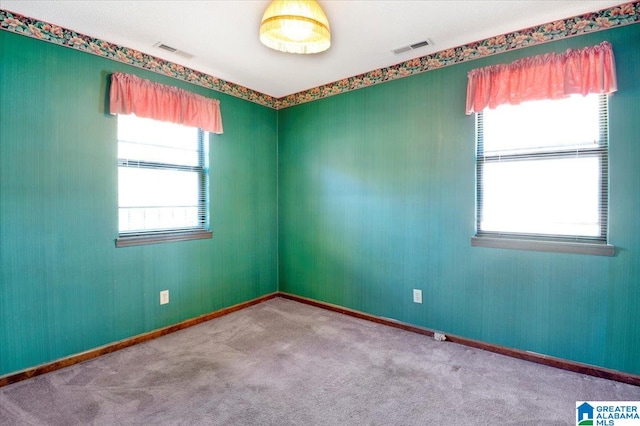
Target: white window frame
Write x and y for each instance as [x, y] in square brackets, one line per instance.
[595, 245]
[200, 230]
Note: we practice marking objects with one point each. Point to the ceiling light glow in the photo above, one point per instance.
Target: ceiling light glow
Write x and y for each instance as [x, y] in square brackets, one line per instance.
[295, 26]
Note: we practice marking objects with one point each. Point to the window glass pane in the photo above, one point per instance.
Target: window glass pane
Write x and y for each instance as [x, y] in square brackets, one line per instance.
[156, 187]
[542, 196]
[150, 140]
[542, 125]
[157, 199]
[155, 191]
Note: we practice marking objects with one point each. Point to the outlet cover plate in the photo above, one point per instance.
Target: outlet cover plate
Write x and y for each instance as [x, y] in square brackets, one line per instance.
[417, 296]
[164, 297]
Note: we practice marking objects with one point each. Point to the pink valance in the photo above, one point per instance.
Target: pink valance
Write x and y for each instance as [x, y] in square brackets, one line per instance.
[133, 95]
[550, 76]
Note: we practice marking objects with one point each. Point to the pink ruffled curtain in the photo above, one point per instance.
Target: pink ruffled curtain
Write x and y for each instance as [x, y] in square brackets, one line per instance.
[550, 76]
[132, 95]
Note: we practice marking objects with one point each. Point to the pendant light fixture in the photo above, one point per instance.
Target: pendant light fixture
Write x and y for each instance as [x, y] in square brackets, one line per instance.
[295, 26]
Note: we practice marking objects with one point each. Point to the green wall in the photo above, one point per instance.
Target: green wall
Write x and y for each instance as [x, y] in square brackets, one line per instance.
[64, 287]
[354, 200]
[376, 198]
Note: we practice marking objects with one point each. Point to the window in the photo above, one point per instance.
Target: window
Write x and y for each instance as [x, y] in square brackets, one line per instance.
[163, 179]
[542, 175]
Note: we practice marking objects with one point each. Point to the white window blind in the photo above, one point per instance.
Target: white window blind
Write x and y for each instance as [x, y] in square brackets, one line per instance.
[163, 178]
[542, 170]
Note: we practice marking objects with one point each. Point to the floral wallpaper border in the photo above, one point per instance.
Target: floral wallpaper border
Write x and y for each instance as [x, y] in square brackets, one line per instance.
[625, 14]
[16, 23]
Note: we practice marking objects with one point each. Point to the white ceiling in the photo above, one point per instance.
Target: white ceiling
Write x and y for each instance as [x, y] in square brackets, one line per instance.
[222, 35]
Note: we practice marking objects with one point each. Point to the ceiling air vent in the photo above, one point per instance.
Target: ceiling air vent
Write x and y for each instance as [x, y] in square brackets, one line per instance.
[413, 46]
[163, 46]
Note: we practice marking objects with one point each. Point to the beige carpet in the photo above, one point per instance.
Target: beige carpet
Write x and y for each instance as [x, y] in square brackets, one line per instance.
[286, 363]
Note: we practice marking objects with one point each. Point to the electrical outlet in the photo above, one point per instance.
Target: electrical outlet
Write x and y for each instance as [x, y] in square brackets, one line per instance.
[164, 297]
[417, 296]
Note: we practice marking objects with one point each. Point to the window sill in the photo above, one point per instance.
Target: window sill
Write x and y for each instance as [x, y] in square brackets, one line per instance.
[547, 246]
[139, 240]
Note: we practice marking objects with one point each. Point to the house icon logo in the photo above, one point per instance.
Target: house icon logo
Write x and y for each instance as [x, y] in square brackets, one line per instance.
[585, 414]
